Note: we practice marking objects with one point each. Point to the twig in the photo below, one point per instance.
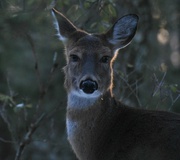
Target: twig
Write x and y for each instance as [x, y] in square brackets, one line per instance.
[28, 136]
[53, 69]
[41, 88]
[6, 141]
[132, 90]
[9, 86]
[157, 88]
[174, 101]
[4, 116]
[159, 84]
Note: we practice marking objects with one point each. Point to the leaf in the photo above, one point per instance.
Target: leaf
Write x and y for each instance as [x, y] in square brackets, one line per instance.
[130, 65]
[163, 67]
[93, 25]
[28, 105]
[174, 88]
[112, 10]
[6, 99]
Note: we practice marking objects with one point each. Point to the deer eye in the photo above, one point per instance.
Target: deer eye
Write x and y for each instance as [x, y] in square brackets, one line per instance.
[105, 59]
[74, 58]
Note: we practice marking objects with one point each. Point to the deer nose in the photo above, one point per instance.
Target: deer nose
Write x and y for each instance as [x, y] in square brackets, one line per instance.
[88, 86]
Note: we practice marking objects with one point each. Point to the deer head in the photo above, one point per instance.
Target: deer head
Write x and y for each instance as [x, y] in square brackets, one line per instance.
[89, 56]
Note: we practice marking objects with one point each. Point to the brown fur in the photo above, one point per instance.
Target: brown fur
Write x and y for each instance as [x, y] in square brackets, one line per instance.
[101, 128]
[111, 131]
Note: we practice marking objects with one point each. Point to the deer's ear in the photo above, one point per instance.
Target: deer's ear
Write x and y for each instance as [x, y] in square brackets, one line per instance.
[122, 32]
[63, 26]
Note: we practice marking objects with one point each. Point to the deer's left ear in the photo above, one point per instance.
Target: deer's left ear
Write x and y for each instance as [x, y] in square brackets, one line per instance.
[122, 32]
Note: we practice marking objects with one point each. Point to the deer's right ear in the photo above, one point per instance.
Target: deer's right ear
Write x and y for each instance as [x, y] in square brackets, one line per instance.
[63, 26]
[122, 32]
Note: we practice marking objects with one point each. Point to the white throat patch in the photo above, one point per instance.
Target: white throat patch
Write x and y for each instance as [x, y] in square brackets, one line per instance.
[80, 100]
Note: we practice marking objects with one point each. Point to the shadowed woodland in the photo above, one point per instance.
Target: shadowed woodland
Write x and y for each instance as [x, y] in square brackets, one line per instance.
[32, 96]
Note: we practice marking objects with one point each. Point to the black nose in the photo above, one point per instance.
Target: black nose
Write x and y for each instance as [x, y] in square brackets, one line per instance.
[88, 86]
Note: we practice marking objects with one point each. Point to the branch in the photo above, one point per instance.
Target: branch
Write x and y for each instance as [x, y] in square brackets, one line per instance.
[42, 88]
[6, 141]
[51, 74]
[28, 136]
[4, 116]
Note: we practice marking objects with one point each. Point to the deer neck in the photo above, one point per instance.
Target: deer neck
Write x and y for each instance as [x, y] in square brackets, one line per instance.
[82, 117]
[78, 107]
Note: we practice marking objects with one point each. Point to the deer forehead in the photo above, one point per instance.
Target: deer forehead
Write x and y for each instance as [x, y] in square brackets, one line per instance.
[88, 45]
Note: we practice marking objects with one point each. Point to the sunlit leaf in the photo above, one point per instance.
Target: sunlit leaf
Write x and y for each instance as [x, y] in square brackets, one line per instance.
[163, 67]
[130, 65]
[28, 106]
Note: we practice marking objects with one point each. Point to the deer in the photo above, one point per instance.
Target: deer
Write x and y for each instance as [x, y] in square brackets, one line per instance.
[100, 127]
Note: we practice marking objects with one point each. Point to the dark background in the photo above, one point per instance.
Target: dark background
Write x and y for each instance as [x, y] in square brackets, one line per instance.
[32, 96]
